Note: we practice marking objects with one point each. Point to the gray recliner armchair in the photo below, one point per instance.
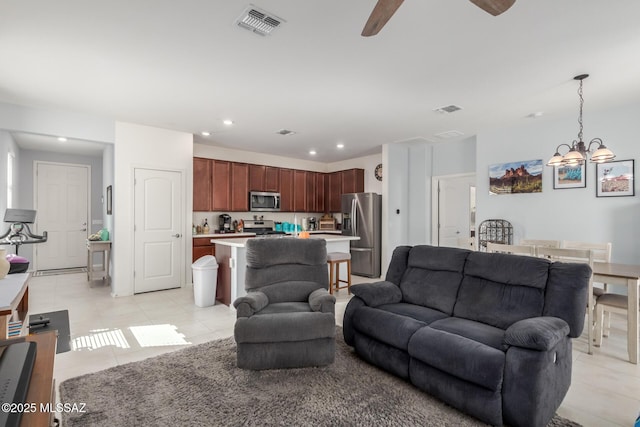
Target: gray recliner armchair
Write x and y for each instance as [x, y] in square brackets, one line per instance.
[287, 318]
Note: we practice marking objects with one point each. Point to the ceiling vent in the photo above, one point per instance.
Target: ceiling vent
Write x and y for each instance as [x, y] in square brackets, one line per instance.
[285, 132]
[447, 109]
[259, 21]
[449, 134]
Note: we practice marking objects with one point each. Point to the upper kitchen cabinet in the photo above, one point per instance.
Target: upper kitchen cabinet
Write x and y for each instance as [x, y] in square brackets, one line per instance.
[264, 178]
[202, 194]
[286, 190]
[321, 179]
[239, 187]
[271, 179]
[221, 191]
[299, 191]
[352, 181]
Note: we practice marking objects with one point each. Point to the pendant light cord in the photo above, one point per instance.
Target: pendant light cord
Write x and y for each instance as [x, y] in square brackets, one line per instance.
[580, 116]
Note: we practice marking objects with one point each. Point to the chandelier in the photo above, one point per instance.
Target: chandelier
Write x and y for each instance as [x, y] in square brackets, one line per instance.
[578, 150]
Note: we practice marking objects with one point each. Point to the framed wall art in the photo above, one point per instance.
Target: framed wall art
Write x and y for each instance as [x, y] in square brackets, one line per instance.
[516, 177]
[615, 179]
[574, 176]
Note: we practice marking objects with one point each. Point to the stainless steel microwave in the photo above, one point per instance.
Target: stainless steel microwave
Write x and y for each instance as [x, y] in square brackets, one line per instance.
[260, 201]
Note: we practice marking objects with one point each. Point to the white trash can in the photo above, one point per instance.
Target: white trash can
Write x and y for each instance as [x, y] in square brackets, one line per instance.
[205, 280]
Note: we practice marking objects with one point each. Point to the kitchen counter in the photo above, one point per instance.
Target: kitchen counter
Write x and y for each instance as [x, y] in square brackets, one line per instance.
[247, 234]
[232, 263]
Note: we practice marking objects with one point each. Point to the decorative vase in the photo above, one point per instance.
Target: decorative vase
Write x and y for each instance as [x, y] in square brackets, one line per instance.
[4, 264]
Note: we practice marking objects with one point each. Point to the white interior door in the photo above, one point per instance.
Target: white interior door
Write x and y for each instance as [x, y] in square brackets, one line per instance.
[62, 202]
[455, 207]
[158, 230]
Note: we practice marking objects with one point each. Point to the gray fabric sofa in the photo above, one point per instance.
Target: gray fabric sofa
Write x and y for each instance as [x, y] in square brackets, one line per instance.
[287, 318]
[489, 334]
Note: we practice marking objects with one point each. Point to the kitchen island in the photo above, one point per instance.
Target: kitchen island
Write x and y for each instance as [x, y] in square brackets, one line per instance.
[232, 263]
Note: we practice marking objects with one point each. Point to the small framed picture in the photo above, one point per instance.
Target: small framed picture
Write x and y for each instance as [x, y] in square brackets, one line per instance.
[574, 176]
[615, 179]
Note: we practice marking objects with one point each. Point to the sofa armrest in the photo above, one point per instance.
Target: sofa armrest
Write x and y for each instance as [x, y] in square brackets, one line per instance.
[321, 300]
[537, 333]
[378, 293]
[250, 304]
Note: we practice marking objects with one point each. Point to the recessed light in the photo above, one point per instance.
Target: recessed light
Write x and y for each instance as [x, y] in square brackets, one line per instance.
[62, 139]
[340, 145]
[286, 132]
[205, 133]
[535, 115]
[227, 122]
[312, 152]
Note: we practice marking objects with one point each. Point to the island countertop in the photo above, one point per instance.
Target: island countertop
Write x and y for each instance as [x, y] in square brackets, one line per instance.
[241, 242]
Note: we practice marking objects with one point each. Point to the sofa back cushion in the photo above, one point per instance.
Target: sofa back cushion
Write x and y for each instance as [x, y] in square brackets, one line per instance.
[433, 276]
[501, 289]
[567, 292]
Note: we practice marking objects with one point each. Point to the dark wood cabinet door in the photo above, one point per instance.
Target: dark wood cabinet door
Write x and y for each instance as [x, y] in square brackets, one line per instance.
[353, 181]
[200, 251]
[239, 187]
[221, 190]
[201, 184]
[286, 190]
[320, 192]
[257, 177]
[334, 191]
[310, 191]
[299, 190]
[272, 179]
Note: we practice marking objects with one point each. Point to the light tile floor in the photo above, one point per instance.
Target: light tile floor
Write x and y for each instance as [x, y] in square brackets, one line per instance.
[108, 331]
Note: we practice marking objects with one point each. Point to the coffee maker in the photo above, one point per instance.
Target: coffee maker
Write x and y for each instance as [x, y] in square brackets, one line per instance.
[224, 223]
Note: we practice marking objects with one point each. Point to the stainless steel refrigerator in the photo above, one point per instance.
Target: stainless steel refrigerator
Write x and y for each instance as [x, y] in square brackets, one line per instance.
[361, 216]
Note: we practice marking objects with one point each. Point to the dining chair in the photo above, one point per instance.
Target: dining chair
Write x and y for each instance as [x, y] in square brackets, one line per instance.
[576, 255]
[606, 304]
[511, 249]
[538, 242]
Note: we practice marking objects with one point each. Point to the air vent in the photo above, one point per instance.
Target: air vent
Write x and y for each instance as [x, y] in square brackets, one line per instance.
[285, 132]
[449, 134]
[447, 109]
[259, 21]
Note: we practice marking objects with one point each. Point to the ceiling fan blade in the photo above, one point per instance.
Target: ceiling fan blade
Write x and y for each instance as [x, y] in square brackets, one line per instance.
[383, 11]
[494, 7]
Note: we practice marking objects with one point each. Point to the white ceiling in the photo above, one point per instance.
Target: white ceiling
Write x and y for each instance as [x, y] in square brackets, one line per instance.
[186, 66]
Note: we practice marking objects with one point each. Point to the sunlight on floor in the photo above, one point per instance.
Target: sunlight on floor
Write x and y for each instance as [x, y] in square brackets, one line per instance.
[99, 338]
[158, 335]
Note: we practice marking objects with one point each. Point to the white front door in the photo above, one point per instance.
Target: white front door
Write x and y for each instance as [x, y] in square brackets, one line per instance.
[62, 202]
[158, 244]
[455, 211]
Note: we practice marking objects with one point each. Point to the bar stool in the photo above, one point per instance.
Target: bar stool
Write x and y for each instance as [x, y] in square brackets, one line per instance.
[334, 259]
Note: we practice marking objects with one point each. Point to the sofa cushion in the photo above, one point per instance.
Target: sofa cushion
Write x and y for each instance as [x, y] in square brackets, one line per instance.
[285, 307]
[433, 277]
[486, 334]
[390, 328]
[501, 289]
[459, 356]
[418, 312]
[276, 327]
[566, 294]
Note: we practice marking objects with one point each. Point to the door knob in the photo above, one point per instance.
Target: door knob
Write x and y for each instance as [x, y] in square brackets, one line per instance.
[177, 235]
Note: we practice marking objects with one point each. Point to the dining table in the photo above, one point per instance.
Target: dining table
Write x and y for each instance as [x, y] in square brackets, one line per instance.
[626, 275]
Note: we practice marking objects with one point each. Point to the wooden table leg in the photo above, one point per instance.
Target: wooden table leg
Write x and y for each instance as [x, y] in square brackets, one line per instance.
[632, 318]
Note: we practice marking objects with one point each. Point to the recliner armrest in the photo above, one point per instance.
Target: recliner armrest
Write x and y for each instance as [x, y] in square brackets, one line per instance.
[536, 333]
[250, 304]
[378, 293]
[321, 300]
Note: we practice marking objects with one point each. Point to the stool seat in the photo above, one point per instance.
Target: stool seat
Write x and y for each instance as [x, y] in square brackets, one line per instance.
[334, 259]
[338, 256]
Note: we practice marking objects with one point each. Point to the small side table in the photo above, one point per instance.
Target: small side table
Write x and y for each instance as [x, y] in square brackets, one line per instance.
[103, 246]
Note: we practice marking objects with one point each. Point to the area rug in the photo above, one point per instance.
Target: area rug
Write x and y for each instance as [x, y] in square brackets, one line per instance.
[201, 386]
[58, 321]
[59, 271]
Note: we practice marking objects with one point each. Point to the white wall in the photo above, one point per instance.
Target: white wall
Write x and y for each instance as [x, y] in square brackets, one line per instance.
[8, 145]
[568, 214]
[138, 146]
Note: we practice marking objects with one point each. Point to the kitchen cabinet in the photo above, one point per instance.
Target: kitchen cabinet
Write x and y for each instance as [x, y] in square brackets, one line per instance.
[221, 185]
[342, 182]
[286, 190]
[352, 181]
[257, 177]
[334, 191]
[299, 191]
[239, 187]
[310, 191]
[202, 185]
[320, 192]
[272, 179]
[202, 246]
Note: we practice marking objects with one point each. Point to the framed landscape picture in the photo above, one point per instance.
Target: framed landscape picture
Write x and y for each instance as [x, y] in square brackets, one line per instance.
[516, 177]
[574, 176]
[615, 179]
